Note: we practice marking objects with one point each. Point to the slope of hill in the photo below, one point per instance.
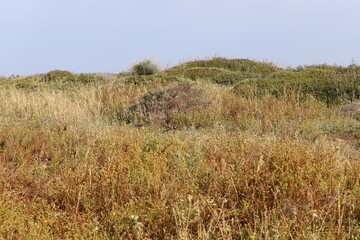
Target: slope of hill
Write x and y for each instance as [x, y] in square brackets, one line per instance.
[213, 149]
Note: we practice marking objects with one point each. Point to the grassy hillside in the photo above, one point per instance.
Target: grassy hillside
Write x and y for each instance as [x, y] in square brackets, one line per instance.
[215, 149]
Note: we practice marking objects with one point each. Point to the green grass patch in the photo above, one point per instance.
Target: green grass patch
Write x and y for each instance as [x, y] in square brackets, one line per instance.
[327, 86]
[238, 65]
[145, 79]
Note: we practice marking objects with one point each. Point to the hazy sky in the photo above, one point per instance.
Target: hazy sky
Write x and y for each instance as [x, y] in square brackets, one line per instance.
[109, 35]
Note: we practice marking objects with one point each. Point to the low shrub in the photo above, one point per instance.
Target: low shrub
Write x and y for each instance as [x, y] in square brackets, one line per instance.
[326, 67]
[169, 106]
[342, 128]
[242, 65]
[145, 67]
[29, 82]
[87, 78]
[58, 75]
[228, 78]
[327, 86]
[352, 110]
[223, 71]
[145, 79]
[65, 77]
[22, 85]
[284, 74]
[194, 73]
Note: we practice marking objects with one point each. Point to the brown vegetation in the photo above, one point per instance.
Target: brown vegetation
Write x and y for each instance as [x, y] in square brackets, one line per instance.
[206, 164]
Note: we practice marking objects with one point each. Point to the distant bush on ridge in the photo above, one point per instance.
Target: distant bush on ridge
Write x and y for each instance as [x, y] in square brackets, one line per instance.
[145, 67]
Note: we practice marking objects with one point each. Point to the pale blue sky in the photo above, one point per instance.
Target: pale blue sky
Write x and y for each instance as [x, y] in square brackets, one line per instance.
[109, 35]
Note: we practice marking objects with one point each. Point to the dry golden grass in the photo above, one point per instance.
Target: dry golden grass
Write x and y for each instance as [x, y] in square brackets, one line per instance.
[270, 168]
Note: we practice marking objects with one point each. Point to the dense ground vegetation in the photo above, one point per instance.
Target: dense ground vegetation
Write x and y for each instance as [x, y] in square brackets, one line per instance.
[215, 149]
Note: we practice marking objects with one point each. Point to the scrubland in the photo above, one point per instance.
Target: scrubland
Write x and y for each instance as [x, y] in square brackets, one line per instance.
[213, 149]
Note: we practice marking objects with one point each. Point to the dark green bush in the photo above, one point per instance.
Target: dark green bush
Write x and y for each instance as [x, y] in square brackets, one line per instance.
[59, 75]
[145, 67]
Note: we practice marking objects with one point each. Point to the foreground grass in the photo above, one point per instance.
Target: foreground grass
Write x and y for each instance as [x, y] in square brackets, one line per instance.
[275, 167]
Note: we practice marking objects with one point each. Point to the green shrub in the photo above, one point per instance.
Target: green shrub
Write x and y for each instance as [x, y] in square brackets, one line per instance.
[65, 77]
[283, 74]
[239, 65]
[145, 79]
[194, 73]
[326, 87]
[326, 67]
[223, 71]
[22, 85]
[228, 78]
[88, 78]
[58, 75]
[174, 106]
[145, 67]
[216, 75]
[353, 69]
[342, 128]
